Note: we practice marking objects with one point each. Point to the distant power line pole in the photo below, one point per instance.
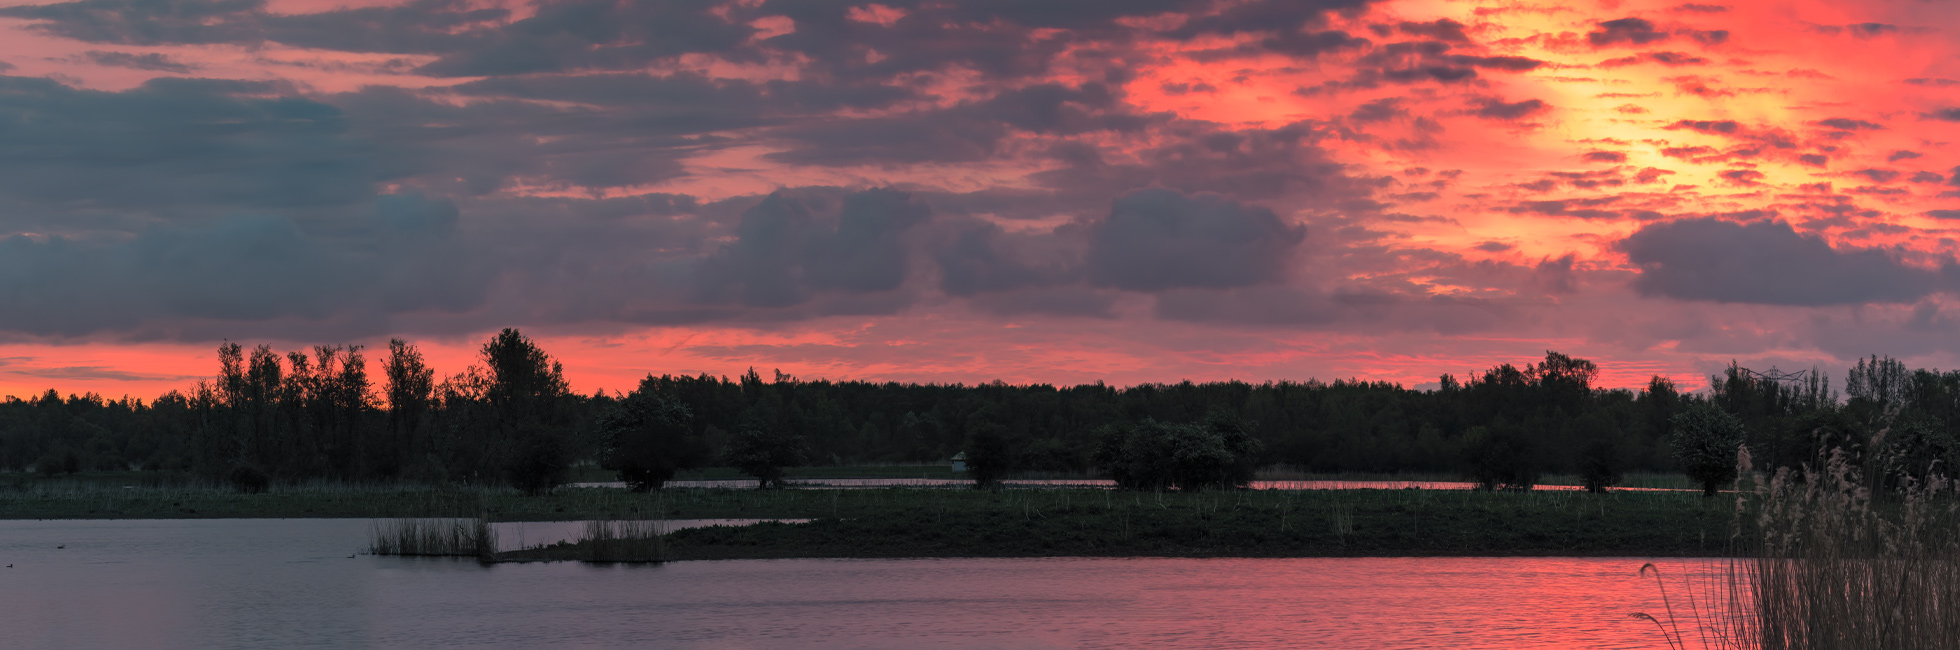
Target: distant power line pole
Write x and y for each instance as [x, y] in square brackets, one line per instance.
[1778, 376]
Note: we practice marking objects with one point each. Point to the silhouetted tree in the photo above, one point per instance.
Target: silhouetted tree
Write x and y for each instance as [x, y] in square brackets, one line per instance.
[411, 393]
[990, 455]
[526, 393]
[647, 439]
[1501, 456]
[764, 452]
[1705, 441]
[539, 463]
[1154, 455]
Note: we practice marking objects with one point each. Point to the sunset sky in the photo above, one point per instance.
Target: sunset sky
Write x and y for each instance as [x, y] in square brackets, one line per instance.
[962, 191]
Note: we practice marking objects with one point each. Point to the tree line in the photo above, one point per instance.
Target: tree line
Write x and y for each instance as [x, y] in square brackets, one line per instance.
[511, 419]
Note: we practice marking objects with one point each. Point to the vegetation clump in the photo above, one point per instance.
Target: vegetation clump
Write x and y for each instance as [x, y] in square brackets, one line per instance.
[434, 537]
[765, 452]
[1836, 564]
[647, 439]
[622, 541]
[1705, 441]
[1153, 455]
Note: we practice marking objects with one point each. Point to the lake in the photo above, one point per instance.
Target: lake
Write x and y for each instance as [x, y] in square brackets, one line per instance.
[260, 583]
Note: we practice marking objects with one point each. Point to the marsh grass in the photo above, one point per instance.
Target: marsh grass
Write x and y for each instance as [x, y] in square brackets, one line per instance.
[443, 537]
[1819, 561]
[1835, 565]
[623, 541]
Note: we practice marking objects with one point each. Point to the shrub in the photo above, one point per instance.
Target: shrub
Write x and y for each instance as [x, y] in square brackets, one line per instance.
[1501, 457]
[764, 453]
[1154, 455]
[1705, 440]
[248, 479]
[647, 440]
[989, 454]
[539, 462]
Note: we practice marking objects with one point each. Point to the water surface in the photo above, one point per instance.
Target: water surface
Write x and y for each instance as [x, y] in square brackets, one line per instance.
[261, 583]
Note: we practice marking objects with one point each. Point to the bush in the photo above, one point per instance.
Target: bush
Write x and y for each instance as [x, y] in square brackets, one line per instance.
[1602, 452]
[1705, 440]
[1153, 455]
[48, 464]
[1501, 457]
[1601, 463]
[989, 454]
[647, 440]
[539, 463]
[764, 452]
[248, 479]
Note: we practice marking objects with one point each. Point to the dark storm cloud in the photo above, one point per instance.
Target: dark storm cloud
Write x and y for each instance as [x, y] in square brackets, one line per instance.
[1592, 208]
[981, 257]
[1247, 164]
[593, 34]
[1869, 30]
[1944, 114]
[784, 251]
[1633, 31]
[480, 146]
[1158, 239]
[138, 22]
[1878, 175]
[238, 268]
[152, 61]
[1766, 262]
[1264, 17]
[176, 143]
[1380, 110]
[1497, 109]
[967, 132]
[1441, 29]
[1710, 37]
[1670, 59]
[420, 27]
[1723, 127]
[1415, 61]
[191, 208]
[1848, 124]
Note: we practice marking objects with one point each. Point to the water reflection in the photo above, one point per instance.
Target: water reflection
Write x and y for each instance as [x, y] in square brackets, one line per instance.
[289, 583]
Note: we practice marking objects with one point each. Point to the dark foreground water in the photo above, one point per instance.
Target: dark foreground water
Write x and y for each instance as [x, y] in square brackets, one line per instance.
[289, 583]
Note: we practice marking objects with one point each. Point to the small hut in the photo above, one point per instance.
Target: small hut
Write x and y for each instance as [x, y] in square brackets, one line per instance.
[959, 462]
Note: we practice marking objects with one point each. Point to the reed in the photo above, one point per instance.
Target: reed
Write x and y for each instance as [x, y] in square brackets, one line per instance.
[623, 541]
[435, 537]
[1837, 566]
[1819, 561]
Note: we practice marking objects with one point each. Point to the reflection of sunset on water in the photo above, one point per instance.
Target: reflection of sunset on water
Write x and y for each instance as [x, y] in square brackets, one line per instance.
[1659, 186]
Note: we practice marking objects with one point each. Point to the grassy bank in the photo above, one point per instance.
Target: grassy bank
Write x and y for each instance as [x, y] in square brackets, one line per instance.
[905, 522]
[1236, 524]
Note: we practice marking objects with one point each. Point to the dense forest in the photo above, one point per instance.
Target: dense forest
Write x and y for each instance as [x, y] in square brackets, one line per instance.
[512, 419]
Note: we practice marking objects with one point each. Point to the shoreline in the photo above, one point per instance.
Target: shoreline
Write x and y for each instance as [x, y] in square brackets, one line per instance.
[930, 523]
